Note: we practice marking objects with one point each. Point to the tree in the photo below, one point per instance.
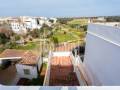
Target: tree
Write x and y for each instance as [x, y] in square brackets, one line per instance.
[52, 21]
[64, 20]
[3, 38]
[34, 33]
[8, 33]
[113, 19]
[10, 45]
[17, 37]
[46, 31]
[55, 41]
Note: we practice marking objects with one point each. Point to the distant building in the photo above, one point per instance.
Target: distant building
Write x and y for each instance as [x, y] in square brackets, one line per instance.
[24, 23]
[31, 22]
[54, 20]
[96, 19]
[17, 26]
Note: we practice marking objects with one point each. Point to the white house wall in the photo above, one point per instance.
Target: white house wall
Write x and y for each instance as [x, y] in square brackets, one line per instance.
[20, 71]
[102, 54]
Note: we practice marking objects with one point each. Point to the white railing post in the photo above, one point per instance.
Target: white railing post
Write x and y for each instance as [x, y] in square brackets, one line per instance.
[76, 61]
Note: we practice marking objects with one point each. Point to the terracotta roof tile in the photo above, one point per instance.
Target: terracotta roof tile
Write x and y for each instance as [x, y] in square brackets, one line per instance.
[28, 57]
[11, 53]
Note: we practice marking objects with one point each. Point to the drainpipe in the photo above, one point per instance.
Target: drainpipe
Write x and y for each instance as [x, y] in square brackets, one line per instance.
[75, 59]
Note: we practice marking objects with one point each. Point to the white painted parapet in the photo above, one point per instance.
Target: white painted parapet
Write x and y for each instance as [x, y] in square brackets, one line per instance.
[61, 54]
[77, 61]
[47, 75]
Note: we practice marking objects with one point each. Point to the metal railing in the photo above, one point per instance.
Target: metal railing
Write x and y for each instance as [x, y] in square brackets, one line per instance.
[77, 61]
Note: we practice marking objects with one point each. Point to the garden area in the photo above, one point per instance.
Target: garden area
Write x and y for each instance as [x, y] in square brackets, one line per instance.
[62, 36]
[34, 46]
[70, 30]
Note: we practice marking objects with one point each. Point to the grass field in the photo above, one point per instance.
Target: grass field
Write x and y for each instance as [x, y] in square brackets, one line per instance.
[68, 34]
[79, 21]
[64, 37]
[28, 46]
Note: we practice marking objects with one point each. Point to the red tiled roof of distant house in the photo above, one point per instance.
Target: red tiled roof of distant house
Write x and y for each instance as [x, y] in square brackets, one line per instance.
[11, 53]
[28, 57]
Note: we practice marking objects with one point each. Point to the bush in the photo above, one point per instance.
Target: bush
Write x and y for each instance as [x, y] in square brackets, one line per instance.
[10, 45]
[17, 37]
[3, 38]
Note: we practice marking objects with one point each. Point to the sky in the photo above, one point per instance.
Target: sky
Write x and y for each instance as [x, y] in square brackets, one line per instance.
[59, 8]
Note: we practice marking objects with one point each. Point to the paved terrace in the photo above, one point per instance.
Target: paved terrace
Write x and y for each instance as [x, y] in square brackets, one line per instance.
[61, 73]
[61, 70]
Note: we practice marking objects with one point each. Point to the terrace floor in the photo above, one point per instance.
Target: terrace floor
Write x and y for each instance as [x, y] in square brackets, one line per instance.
[61, 73]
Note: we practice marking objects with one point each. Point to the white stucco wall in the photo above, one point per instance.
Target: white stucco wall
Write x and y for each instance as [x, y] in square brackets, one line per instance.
[102, 54]
[61, 54]
[20, 71]
[47, 74]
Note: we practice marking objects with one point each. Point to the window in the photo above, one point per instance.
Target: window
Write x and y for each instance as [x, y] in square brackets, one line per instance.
[26, 71]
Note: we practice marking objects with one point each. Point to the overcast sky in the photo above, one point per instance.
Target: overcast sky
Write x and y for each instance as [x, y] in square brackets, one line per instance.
[51, 8]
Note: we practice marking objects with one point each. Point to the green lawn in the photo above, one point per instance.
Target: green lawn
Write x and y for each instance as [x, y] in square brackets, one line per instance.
[79, 21]
[69, 35]
[80, 34]
[64, 37]
[28, 46]
[34, 46]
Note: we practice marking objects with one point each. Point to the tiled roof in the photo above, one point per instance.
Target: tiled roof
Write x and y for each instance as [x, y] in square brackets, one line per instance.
[11, 53]
[28, 58]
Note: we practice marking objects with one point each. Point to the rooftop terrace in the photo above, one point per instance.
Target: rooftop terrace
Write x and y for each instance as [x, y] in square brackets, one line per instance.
[61, 72]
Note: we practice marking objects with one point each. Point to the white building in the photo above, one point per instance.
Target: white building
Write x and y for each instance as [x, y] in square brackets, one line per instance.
[29, 66]
[24, 23]
[27, 63]
[96, 19]
[54, 20]
[30, 22]
[102, 54]
[45, 20]
[17, 26]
